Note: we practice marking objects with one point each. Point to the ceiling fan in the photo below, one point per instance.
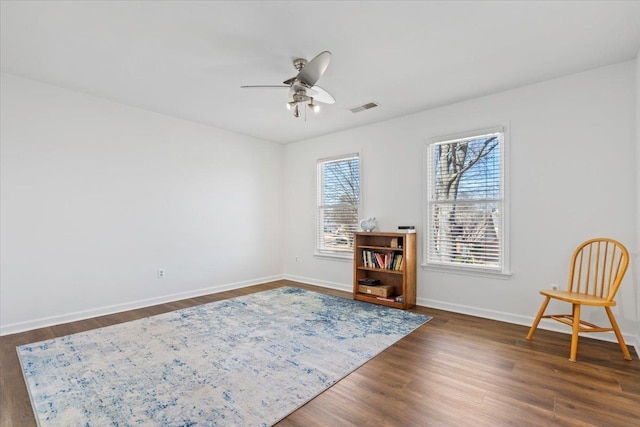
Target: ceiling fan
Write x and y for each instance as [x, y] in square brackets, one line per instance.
[302, 87]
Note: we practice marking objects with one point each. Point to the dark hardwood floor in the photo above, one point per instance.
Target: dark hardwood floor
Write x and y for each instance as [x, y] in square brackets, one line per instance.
[456, 370]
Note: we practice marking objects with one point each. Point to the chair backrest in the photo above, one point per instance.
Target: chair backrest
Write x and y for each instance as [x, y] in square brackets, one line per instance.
[598, 266]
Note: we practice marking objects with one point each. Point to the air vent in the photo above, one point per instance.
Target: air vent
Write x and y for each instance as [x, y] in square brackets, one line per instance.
[363, 107]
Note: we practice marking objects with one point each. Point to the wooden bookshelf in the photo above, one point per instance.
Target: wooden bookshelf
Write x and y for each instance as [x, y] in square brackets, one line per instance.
[402, 276]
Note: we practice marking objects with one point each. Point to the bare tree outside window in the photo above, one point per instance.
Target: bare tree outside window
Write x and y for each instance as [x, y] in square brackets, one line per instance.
[465, 202]
[338, 203]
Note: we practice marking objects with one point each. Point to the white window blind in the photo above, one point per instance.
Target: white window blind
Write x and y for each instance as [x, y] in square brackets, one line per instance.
[466, 202]
[338, 196]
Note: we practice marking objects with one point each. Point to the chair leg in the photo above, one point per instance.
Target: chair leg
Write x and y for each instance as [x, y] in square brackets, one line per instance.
[614, 325]
[574, 334]
[534, 326]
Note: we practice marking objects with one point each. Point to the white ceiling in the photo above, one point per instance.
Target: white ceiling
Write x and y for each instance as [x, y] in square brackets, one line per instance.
[189, 58]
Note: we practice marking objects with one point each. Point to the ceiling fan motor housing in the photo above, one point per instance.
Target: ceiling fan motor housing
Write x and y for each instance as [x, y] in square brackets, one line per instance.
[300, 96]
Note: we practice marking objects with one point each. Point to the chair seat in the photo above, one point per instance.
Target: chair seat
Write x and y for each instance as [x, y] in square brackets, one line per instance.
[578, 298]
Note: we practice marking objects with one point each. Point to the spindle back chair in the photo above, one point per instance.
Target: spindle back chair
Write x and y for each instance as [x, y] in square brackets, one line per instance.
[597, 269]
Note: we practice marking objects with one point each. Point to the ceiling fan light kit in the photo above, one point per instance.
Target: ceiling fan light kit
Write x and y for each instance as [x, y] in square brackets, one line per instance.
[302, 87]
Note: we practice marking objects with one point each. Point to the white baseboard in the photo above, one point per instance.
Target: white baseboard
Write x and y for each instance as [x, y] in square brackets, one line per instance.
[117, 308]
[516, 319]
[321, 283]
[546, 324]
[475, 311]
[633, 340]
[501, 316]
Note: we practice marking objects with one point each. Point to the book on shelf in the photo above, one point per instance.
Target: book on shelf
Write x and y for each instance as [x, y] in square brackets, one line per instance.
[406, 228]
[397, 265]
[382, 260]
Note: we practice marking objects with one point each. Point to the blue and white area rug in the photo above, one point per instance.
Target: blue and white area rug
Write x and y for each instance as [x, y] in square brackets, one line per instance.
[247, 361]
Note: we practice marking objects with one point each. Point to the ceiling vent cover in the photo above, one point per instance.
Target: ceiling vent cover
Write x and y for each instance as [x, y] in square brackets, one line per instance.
[363, 107]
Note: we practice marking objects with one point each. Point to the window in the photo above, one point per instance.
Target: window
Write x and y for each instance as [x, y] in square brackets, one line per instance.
[338, 204]
[465, 213]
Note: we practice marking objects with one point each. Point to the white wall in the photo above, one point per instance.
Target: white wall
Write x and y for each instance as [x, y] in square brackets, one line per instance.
[96, 196]
[636, 265]
[572, 169]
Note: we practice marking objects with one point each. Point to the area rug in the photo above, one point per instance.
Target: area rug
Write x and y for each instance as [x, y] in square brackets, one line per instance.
[246, 361]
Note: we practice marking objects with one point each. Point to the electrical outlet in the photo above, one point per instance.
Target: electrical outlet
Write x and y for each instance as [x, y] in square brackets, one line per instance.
[297, 259]
[553, 287]
[161, 273]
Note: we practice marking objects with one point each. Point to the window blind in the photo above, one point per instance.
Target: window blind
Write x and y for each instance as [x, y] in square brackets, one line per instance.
[465, 212]
[338, 203]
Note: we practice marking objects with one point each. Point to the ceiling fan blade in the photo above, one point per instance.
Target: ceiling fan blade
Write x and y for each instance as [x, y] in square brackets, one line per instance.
[314, 69]
[264, 87]
[320, 95]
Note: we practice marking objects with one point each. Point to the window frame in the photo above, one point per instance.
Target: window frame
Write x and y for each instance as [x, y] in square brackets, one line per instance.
[503, 271]
[323, 252]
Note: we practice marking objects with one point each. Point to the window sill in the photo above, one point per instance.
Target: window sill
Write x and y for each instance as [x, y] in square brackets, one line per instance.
[332, 256]
[467, 271]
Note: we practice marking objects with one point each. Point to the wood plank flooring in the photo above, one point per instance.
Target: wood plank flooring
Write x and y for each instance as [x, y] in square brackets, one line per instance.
[456, 370]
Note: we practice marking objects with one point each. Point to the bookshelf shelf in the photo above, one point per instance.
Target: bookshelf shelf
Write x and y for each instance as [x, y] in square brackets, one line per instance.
[381, 248]
[384, 270]
[389, 258]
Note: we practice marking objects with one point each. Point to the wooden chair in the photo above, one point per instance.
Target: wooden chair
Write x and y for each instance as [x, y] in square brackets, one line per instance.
[598, 266]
